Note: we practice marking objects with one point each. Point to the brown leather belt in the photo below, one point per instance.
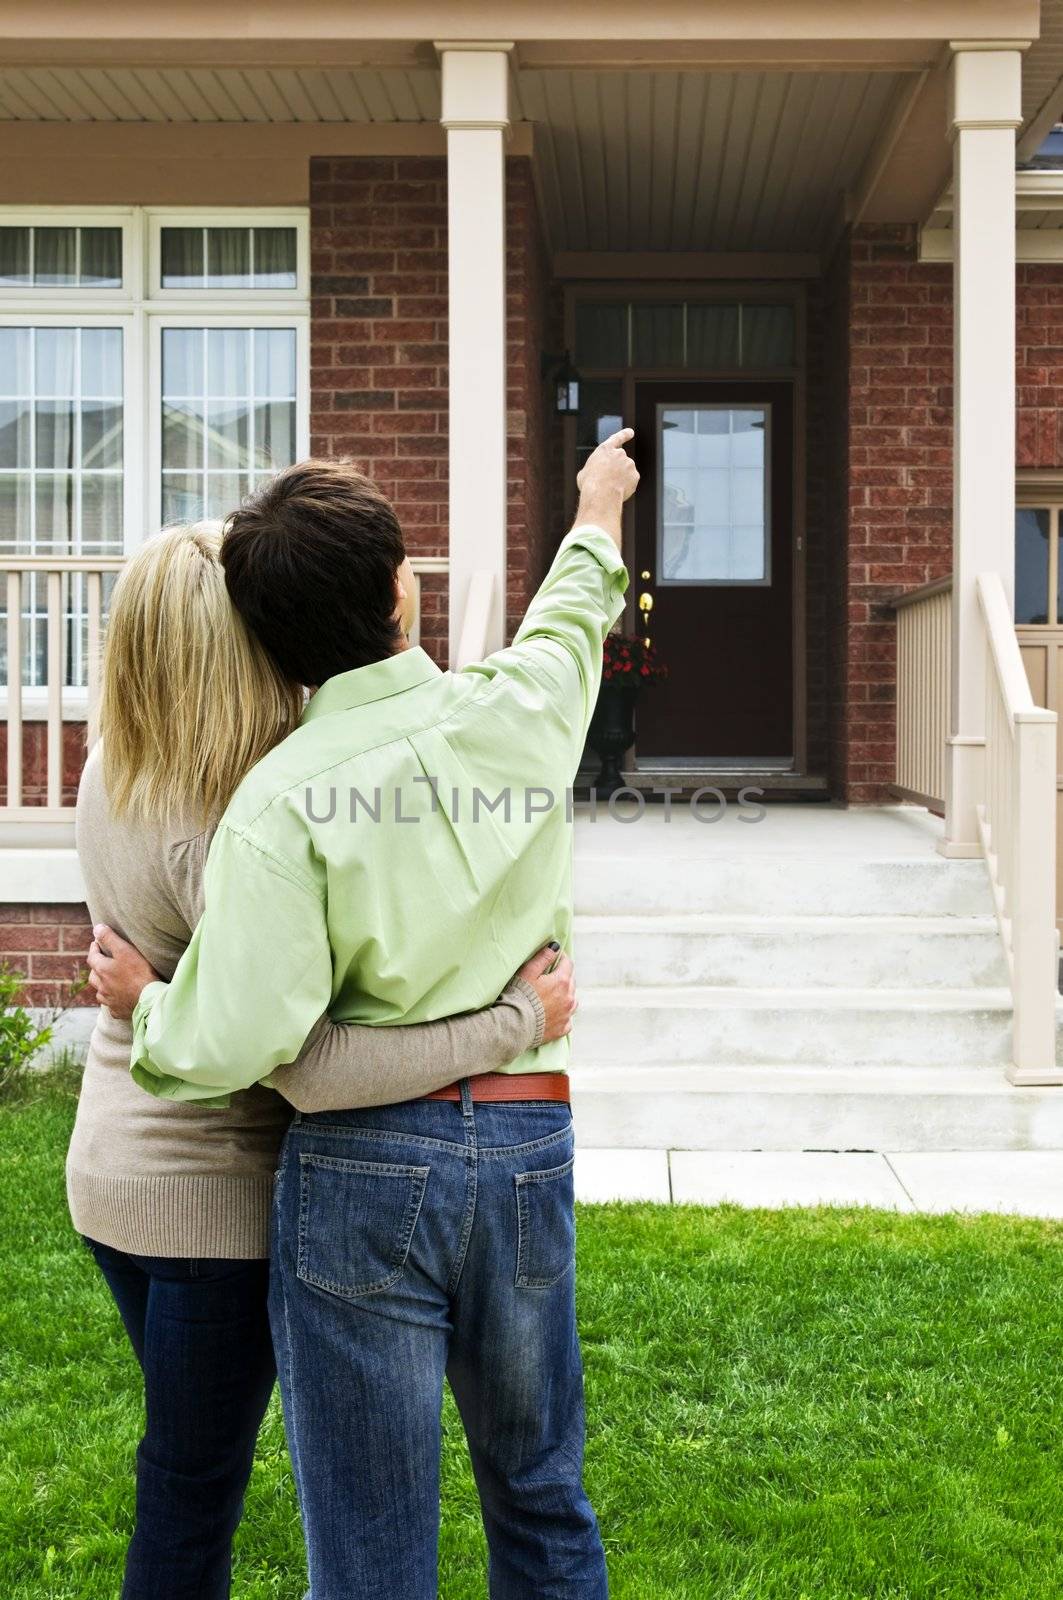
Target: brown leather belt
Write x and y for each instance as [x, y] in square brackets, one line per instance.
[506, 1086]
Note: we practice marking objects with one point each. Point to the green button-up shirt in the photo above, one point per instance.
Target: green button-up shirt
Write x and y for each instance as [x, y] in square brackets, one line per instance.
[400, 855]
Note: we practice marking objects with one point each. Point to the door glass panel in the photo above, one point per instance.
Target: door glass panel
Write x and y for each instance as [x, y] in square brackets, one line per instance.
[1032, 527]
[712, 516]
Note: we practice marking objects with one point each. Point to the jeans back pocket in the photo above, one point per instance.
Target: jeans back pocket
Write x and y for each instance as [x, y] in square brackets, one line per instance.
[546, 1226]
[356, 1222]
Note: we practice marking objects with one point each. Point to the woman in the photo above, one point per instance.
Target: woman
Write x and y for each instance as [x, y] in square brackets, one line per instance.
[173, 1199]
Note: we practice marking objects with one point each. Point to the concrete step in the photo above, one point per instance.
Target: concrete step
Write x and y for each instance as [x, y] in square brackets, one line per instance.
[808, 1027]
[753, 885]
[783, 952]
[793, 1107]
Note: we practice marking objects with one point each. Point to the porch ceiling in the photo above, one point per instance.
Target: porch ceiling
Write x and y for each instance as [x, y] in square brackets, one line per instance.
[627, 161]
[700, 161]
[219, 94]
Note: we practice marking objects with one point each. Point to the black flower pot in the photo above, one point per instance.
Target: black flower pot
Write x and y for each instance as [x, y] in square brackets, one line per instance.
[611, 734]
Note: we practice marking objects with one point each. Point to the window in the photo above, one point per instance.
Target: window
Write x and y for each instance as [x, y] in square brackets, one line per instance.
[228, 415]
[712, 515]
[53, 257]
[1038, 571]
[709, 336]
[153, 369]
[228, 258]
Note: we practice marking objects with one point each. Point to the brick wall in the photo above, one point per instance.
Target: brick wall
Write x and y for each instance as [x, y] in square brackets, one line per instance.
[897, 457]
[1039, 366]
[35, 761]
[378, 235]
[900, 477]
[46, 944]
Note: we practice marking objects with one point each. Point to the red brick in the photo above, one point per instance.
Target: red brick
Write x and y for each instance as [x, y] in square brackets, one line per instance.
[16, 939]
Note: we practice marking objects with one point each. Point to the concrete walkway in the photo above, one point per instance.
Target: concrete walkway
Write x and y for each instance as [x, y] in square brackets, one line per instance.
[1021, 1182]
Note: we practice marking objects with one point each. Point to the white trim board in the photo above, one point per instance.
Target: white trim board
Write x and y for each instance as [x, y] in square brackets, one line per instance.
[40, 877]
[1031, 244]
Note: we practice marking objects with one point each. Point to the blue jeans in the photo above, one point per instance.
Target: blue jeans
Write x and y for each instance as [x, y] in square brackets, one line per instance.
[410, 1242]
[200, 1330]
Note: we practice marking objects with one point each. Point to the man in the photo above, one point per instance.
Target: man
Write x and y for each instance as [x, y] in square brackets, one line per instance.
[395, 859]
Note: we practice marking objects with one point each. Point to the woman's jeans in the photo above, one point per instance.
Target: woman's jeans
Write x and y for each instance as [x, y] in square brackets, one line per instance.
[200, 1330]
[410, 1242]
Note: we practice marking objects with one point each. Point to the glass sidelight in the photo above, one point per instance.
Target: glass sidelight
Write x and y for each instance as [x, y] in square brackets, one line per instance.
[1037, 570]
[713, 516]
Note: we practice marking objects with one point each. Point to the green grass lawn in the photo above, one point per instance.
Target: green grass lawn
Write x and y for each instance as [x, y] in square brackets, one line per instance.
[782, 1405]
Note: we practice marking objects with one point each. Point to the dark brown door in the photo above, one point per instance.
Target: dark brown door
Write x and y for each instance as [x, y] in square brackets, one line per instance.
[714, 533]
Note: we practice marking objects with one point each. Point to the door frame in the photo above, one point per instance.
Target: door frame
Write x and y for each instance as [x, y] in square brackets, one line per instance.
[773, 293]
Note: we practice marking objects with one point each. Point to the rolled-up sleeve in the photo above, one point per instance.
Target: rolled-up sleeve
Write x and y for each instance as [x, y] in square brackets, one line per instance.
[558, 646]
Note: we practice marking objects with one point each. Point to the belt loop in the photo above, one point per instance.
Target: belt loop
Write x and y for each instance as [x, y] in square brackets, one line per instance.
[467, 1109]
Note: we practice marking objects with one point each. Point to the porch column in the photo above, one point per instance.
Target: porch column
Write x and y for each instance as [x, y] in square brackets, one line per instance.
[476, 117]
[984, 112]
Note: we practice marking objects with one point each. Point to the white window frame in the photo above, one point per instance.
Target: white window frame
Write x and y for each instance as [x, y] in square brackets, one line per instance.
[142, 308]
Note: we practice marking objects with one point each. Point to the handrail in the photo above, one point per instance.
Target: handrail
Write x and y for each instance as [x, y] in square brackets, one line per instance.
[476, 619]
[1004, 648]
[1017, 826]
[62, 563]
[925, 591]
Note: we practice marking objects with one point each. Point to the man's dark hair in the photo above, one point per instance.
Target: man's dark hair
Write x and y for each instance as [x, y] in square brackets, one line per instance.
[310, 562]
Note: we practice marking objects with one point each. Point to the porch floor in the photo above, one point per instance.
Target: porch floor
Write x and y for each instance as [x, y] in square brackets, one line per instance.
[820, 828]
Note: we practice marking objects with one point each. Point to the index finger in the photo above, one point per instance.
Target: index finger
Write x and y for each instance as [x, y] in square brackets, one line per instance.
[621, 437]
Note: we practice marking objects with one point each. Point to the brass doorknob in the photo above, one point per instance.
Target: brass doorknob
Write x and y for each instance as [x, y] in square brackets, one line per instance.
[645, 603]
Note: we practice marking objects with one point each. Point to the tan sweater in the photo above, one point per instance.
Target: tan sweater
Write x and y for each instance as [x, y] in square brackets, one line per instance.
[171, 1178]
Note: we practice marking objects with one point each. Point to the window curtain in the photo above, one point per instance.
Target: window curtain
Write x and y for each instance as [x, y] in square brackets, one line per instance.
[274, 258]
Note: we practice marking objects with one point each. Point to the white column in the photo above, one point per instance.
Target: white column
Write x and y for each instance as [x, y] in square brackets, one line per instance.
[984, 111]
[476, 117]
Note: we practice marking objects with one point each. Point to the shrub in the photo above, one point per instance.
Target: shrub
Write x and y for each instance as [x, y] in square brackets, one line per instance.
[20, 1038]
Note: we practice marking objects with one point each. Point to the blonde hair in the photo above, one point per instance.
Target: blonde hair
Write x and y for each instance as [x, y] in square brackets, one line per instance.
[190, 699]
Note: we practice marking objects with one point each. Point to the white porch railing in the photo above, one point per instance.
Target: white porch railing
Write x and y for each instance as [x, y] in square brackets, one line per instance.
[69, 690]
[1017, 824]
[64, 629]
[1017, 809]
[924, 679]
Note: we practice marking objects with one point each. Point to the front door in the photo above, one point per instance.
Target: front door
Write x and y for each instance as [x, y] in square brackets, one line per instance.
[714, 553]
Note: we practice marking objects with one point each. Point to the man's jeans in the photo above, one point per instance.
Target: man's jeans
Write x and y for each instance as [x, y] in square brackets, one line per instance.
[201, 1334]
[410, 1242]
